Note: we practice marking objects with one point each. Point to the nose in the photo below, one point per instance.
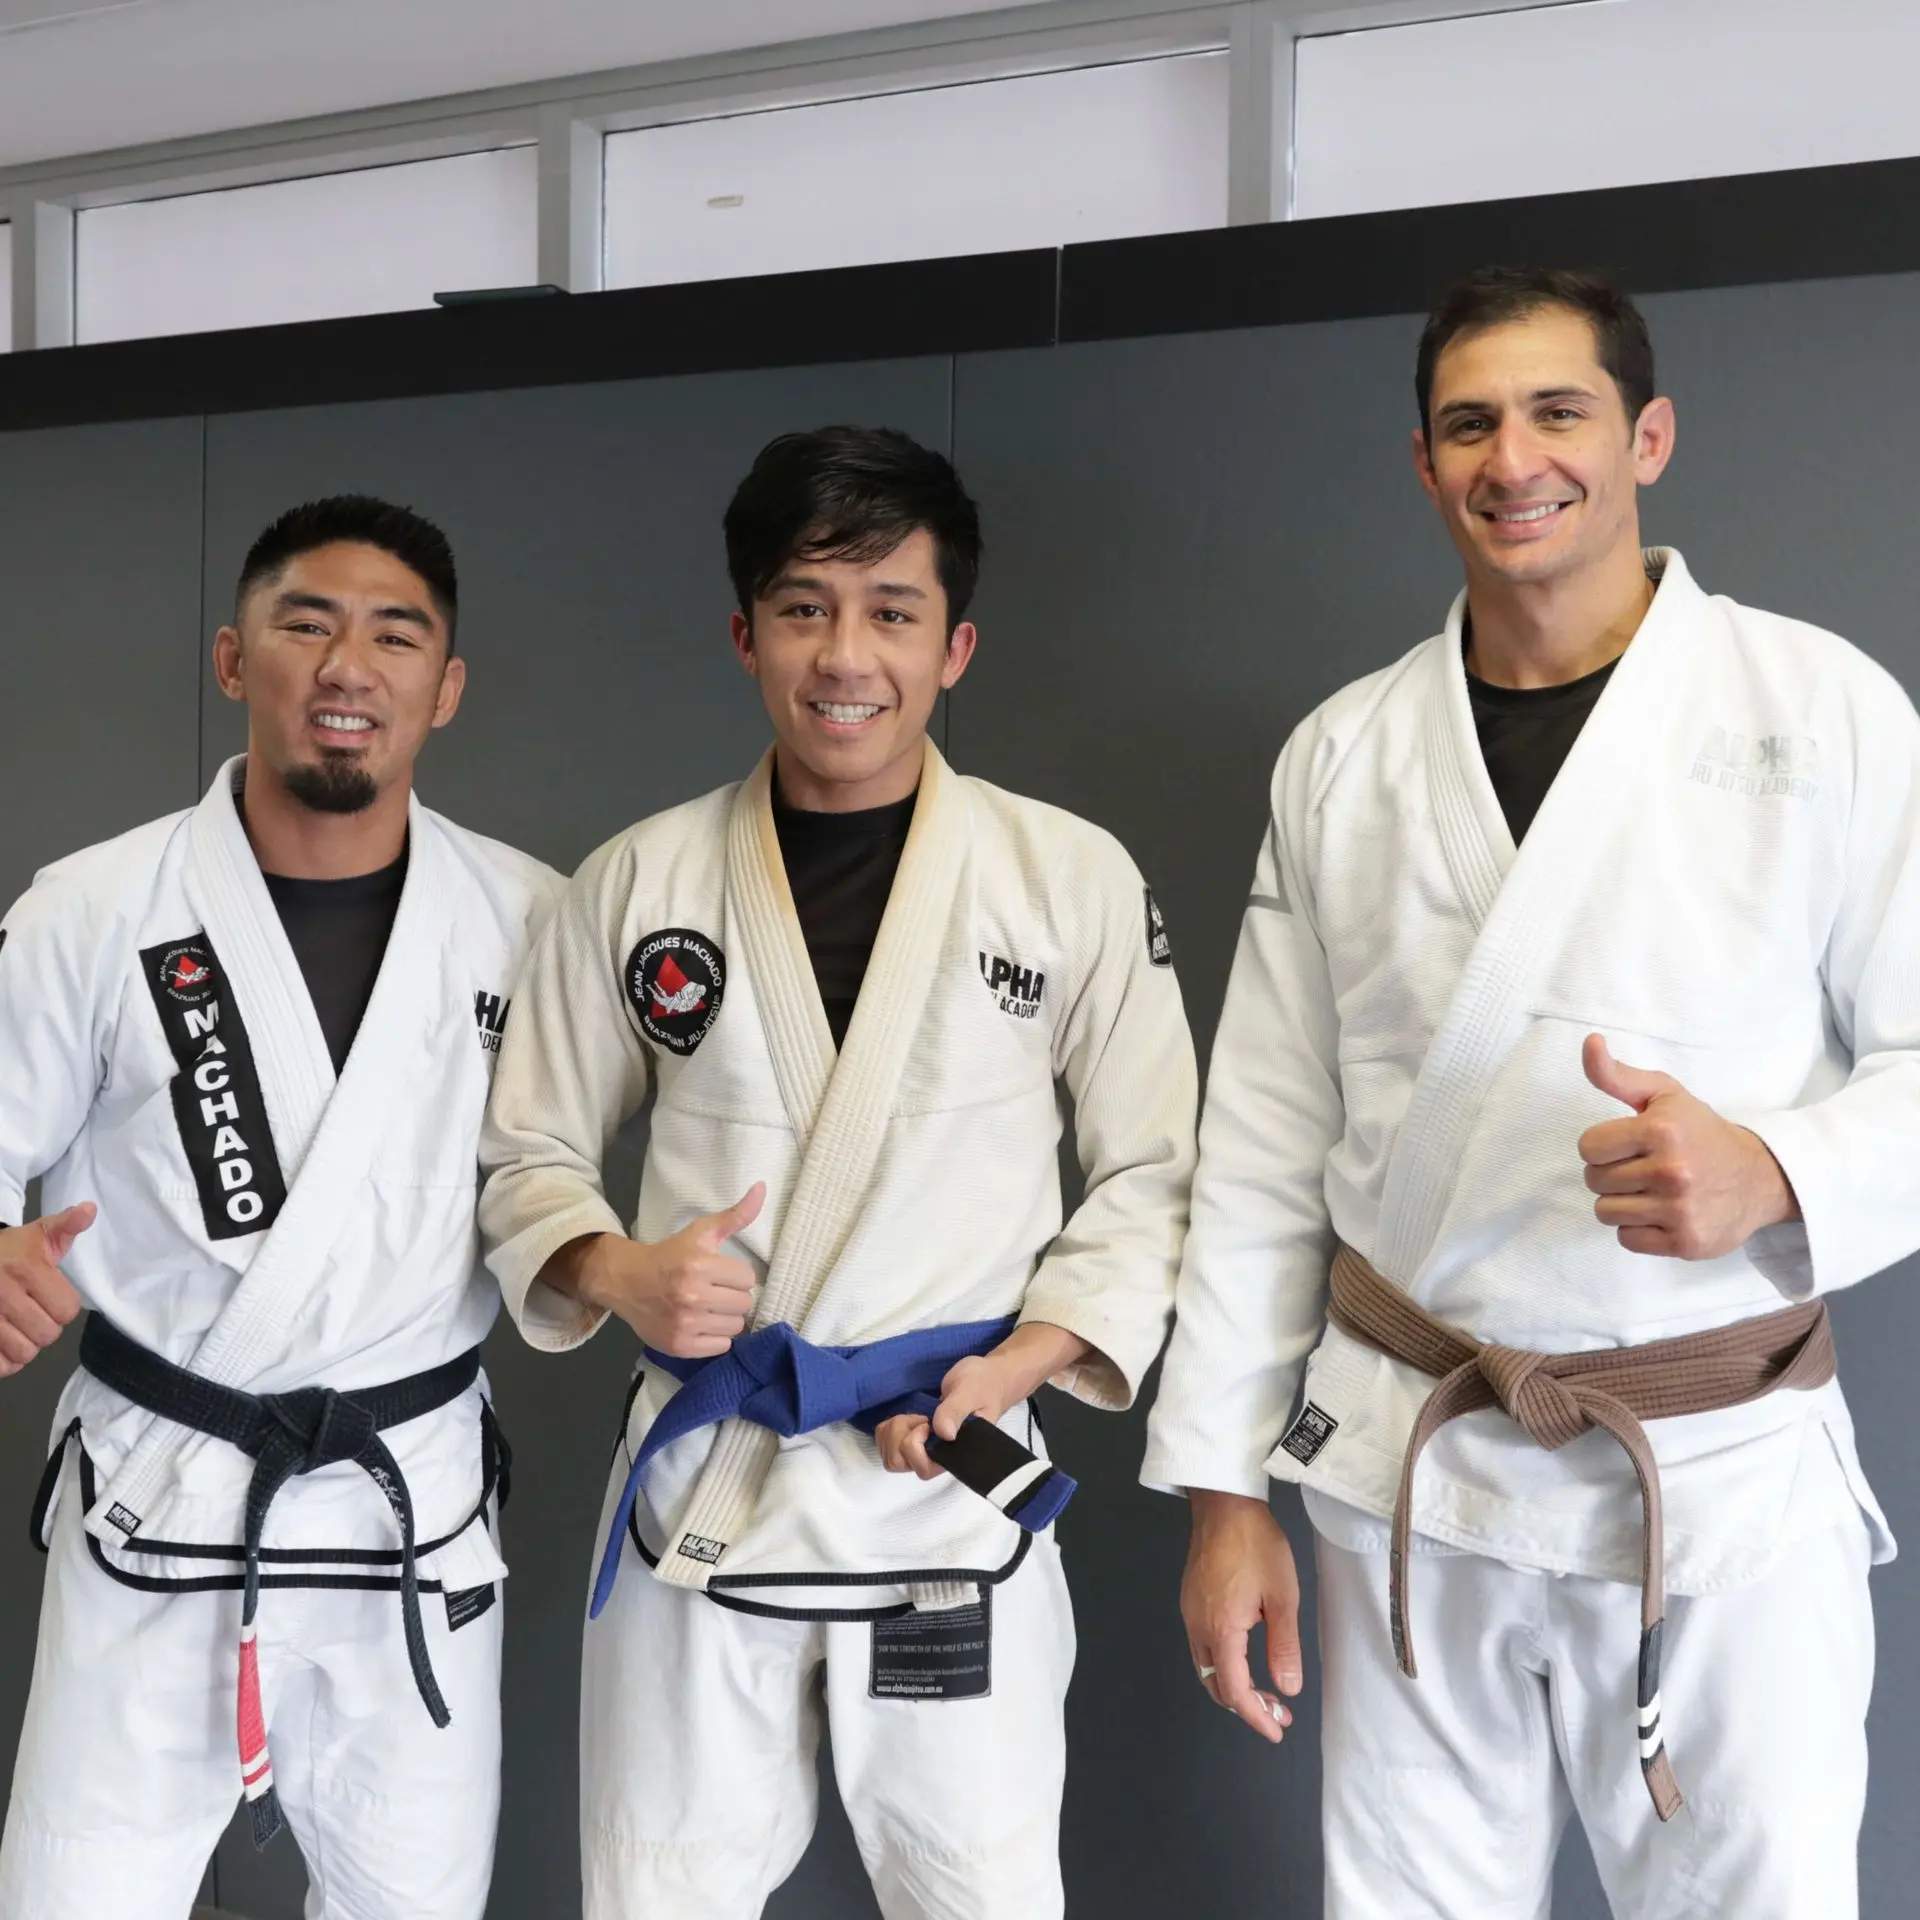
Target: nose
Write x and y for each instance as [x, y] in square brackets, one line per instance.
[348, 666]
[1515, 457]
[845, 645]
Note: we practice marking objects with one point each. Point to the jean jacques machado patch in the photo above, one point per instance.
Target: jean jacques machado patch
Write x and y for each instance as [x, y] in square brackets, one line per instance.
[675, 980]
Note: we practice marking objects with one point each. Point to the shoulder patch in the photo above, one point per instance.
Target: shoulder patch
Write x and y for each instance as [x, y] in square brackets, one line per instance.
[675, 980]
[1159, 947]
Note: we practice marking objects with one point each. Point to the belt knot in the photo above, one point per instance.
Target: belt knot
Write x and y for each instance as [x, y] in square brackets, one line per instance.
[328, 1425]
[1544, 1405]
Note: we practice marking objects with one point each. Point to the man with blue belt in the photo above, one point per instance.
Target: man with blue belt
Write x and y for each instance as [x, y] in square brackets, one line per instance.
[853, 986]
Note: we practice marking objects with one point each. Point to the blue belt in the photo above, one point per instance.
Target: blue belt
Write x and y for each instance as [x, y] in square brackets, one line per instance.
[782, 1382]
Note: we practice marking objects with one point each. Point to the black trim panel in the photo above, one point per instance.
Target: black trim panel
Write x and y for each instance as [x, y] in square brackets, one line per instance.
[896, 311]
[1809, 223]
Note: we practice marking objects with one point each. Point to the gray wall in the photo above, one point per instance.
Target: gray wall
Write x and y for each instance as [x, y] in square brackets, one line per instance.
[1190, 541]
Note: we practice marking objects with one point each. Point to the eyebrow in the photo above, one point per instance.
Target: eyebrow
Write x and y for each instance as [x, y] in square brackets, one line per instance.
[403, 610]
[809, 583]
[1454, 407]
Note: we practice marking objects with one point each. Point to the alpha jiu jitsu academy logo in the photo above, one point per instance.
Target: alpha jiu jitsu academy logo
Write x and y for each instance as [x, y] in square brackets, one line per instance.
[1017, 990]
[675, 980]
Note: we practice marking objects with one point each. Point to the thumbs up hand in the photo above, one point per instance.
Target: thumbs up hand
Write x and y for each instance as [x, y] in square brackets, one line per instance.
[1673, 1177]
[36, 1299]
[681, 1295]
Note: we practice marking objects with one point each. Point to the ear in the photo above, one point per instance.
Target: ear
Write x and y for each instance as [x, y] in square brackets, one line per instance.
[1423, 466]
[742, 630]
[960, 645]
[1653, 436]
[453, 683]
[227, 663]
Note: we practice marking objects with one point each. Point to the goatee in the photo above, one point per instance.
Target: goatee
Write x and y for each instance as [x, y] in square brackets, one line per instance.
[338, 784]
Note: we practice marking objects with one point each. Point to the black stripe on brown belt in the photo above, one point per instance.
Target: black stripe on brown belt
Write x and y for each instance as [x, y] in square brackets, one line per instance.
[1555, 1397]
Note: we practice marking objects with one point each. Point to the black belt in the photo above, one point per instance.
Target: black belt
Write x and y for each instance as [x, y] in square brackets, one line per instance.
[288, 1434]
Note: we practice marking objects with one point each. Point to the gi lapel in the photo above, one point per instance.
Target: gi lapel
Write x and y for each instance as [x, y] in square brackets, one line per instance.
[838, 1108]
[325, 1132]
[1508, 907]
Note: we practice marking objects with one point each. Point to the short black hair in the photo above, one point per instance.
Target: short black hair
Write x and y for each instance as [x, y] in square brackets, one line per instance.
[850, 493]
[358, 517]
[1493, 296]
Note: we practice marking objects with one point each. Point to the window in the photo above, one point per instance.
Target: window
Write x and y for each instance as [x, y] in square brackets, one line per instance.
[341, 243]
[1597, 95]
[1031, 162]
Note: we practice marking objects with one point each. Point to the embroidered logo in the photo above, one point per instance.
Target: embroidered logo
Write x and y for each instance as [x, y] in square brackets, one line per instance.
[186, 973]
[490, 1019]
[1311, 1430]
[696, 1546]
[1159, 947]
[1018, 990]
[675, 980]
[1757, 765]
[217, 1103]
[127, 1522]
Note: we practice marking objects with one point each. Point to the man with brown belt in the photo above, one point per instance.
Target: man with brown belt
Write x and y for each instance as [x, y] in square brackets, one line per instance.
[1588, 1455]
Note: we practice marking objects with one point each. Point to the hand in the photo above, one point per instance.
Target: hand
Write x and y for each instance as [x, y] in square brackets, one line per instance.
[681, 1295]
[37, 1300]
[984, 1384]
[1239, 1572]
[1675, 1178]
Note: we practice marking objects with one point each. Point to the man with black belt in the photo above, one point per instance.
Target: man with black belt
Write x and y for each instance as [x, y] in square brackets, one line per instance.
[1580, 1463]
[246, 1051]
[854, 985]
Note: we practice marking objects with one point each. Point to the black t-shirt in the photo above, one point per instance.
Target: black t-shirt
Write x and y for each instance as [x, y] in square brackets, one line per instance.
[1526, 734]
[840, 867]
[338, 931]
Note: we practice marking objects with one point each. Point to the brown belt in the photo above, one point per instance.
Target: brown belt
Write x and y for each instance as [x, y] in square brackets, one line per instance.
[1557, 1396]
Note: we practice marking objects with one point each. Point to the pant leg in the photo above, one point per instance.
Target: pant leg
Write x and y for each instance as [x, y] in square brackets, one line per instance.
[1443, 1796]
[394, 1816]
[956, 1803]
[1764, 1694]
[699, 1737]
[127, 1769]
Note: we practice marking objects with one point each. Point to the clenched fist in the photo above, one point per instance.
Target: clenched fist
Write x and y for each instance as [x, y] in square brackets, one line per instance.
[1673, 1177]
[36, 1299]
[681, 1295]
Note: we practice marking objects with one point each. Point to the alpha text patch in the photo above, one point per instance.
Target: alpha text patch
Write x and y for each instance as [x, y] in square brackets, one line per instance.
[1311, 1431]
[1017, 990]
[675, 980]
[1159, 947]
[935, 1656]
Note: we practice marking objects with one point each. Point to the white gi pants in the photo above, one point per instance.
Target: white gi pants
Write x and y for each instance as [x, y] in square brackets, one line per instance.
[699, 1732]
[1445, 1797]
[128, 1769]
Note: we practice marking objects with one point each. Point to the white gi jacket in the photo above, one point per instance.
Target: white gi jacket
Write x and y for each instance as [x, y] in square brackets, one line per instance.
[260, 1223]
[913, 1182]
[1724, 880]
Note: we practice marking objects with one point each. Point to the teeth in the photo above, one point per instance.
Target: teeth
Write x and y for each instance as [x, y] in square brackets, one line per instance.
[343, 722]
[846, 715]
[1530, 513]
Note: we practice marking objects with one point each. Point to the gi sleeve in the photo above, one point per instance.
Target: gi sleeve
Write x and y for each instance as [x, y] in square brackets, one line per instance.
[1251, 1303]
[1854, 1156]
[571, 1070]
[61, 948]
[1124, 1053]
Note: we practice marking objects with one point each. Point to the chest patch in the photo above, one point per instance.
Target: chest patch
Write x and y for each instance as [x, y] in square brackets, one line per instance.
[490, 1018]
[1018, 990]
[675, 980]
[216, 1092]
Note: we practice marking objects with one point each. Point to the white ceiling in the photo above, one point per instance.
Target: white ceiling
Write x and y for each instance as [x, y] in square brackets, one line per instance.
[78, 76]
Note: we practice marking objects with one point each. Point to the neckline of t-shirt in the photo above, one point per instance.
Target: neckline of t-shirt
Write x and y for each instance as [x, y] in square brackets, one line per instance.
[351, 889]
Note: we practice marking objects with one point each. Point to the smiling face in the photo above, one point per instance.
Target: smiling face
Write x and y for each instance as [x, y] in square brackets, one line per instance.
[1530, 456]
[851, 656]
[342, 661]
